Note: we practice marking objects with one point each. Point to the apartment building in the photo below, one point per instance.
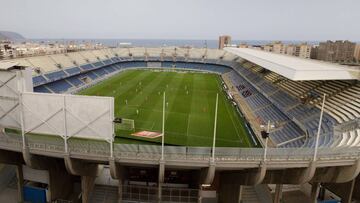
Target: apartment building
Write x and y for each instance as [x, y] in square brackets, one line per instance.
[300, 50]
[357, 53]
[279, 48]
[338, 51]
[224, 41]
[304, 51]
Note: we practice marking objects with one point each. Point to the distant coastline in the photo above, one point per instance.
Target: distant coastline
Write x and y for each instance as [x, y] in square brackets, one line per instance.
[166, 42]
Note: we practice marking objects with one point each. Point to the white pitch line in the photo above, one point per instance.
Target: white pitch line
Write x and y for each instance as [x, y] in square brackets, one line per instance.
[232, 120]
[152, 127]
[188, 122]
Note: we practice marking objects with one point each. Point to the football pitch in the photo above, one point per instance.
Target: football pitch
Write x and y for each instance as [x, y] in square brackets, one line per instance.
[189, 106]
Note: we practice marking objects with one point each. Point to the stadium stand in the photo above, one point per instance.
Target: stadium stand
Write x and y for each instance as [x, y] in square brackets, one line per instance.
[63, 60]
[196, 54]
[73, 71]
[110, 69]
[42, 89]
[91, 75]
[78, 58]
[98, 64]
[56, 75]
[90, 56]
[293, 105]
[302, 100]
[107, 62]
[45, 62]
[153, 52]
[39, 80]
[99, 54]
[87, 67]
[75, 81]
[100, 72]
[59, 86]
[266, 111]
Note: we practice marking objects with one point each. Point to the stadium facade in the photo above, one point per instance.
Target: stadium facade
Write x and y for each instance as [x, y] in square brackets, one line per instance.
[38, 100]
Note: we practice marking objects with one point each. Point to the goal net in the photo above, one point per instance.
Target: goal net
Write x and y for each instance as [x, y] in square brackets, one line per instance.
[126, 124]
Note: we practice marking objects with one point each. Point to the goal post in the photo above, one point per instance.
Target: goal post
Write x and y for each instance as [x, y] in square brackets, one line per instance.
[125, 124]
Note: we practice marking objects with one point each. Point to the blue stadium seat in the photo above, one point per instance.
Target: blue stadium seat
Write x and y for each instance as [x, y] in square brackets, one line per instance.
[59, 86]
[267, 87]
[290, 106]
[100, 72]
[73, 71]
[283, 100]
[266, 111]
[133, 64]
[167, 64]
[110, 69]
[87, 67]
[107, 62]
[168, 58]
[98, 64]
[38, 80]
[42, 89]
[115, 59]
[117, 67]
[288, 132]
[91, 75]
[75, 81]
[56, 75]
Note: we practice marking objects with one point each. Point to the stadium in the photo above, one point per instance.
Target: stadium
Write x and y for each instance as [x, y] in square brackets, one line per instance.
[180, 124]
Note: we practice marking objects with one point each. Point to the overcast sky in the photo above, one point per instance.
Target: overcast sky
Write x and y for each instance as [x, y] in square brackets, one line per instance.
[183, 19]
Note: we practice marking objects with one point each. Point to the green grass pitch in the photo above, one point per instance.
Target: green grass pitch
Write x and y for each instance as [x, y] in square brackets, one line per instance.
[190, 108]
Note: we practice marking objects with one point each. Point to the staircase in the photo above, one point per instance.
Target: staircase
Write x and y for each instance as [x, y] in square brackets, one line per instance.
[7, 176]
[104, 194]
[249, 195]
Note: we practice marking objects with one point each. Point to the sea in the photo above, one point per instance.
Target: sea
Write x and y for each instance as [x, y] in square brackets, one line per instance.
[164, 42]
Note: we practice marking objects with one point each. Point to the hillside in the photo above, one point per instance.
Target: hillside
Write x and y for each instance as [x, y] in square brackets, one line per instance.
[13, 36]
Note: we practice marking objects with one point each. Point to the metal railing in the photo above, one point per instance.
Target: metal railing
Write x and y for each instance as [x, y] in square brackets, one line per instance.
[63, 201]
[153, 152]
[150, 194]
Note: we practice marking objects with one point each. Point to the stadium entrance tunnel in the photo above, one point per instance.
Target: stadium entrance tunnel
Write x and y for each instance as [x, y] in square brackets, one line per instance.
[161, 181]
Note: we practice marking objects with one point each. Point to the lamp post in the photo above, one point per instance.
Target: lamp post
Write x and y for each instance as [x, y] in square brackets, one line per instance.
[215, 125]
[163, 129]
[265, 135]
[319, 129]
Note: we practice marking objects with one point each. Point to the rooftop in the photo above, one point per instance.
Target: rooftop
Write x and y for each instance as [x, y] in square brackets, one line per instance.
[6, 65]
[296, 68]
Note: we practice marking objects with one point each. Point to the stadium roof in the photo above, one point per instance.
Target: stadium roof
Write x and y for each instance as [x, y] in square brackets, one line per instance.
[6, 65]
[296, 68]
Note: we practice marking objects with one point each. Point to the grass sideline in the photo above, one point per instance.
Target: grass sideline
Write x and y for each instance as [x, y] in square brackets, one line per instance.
[190, 108]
